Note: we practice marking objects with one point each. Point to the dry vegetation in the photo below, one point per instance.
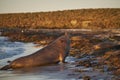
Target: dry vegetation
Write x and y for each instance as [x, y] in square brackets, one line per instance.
[83, 18]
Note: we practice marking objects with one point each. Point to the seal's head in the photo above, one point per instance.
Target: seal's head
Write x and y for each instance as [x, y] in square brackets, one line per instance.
[63, 43]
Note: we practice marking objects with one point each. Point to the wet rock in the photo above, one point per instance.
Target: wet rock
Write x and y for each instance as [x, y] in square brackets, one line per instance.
[117, 72]
[111, 68]
[76, 38]
[116, 37]
[113, 58]
[88, 61]
[85, 63]
[86, 78]
[74, 52]
[80, 46]
[104, 45]
[102, 52]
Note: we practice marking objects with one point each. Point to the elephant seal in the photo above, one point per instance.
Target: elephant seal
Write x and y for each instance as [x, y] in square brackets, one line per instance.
[55, 52]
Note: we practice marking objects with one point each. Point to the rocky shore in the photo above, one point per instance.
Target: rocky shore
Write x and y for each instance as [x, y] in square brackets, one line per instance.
[97, 49]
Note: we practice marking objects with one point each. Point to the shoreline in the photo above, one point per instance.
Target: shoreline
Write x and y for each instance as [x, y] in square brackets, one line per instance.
[84, 44]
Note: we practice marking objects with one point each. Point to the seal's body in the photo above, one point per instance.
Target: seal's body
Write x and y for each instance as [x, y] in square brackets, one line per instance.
[53, 53]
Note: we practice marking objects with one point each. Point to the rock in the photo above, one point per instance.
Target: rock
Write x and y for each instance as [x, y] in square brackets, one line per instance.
[117, 72]
[104, 45]
[86, 78]
[81, 46]
[86, 63]
[113, 58]
[76, 38]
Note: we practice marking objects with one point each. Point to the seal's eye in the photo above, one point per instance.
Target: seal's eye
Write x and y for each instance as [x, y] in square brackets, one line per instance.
[62, 40]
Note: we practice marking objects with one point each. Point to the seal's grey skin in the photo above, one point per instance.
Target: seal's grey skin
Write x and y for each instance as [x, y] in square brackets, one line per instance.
[53, 53]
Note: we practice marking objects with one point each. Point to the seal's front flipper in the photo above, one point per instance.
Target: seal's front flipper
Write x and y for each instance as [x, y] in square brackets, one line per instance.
[5, 67]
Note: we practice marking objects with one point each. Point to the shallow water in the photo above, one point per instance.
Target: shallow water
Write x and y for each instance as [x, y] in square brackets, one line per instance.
[53, 72]
[12, 50]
